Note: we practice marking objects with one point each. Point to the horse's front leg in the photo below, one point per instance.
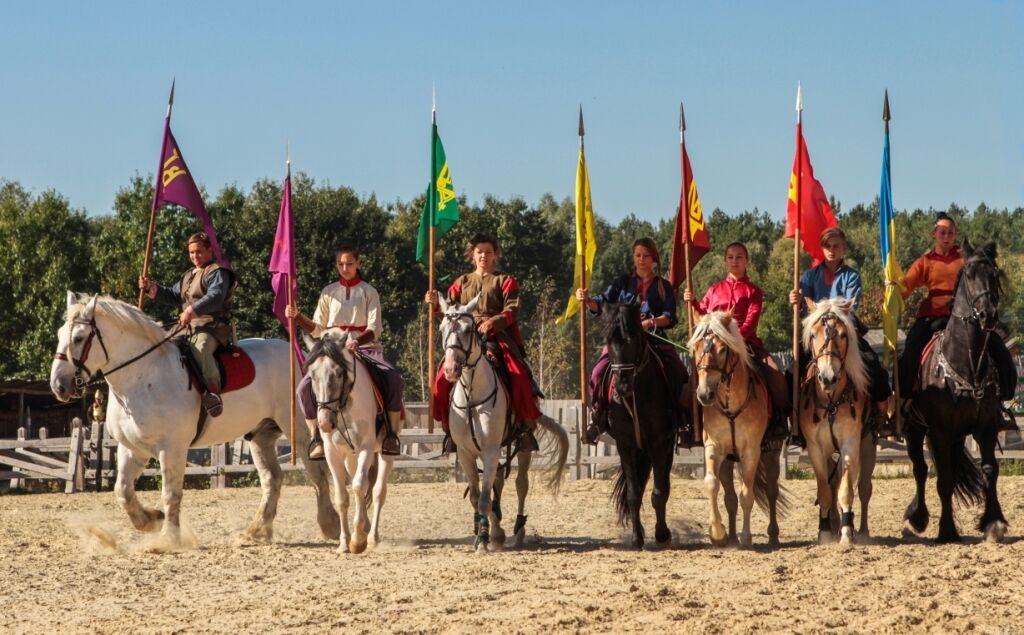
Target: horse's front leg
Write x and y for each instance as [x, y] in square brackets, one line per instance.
[713, 465]
[642, 472]
[338, 461]
[992, 523]
[917, 515]
[771, 465]
[360, 489]
[849, 456]
[497, 533]
[522, 489]
[468, 463]
[485, 514]
[944, 456]
[172, 476]
[129, 467]
[662, 464]
[865, 487]
[380, 494]
[748, 472]
[263, 447]
[819, 461]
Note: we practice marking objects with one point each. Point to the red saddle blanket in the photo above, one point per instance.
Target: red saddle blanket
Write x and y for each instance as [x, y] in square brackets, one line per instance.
[236, 370]
[926, 375]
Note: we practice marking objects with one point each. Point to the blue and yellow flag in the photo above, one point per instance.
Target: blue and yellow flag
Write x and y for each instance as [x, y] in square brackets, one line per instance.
[892, 305]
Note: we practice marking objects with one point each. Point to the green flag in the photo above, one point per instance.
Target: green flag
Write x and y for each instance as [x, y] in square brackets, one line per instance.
[440, 209]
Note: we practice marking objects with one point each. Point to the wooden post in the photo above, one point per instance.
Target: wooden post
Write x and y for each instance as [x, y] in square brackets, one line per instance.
[74, 482]
[17, 483]
[218, 480]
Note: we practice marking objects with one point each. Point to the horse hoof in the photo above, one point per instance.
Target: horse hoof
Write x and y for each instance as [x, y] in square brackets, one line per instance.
[498, 537]
[720, 542]
[947, 539]
[481, 548]
[746, 540]
[773, 541]
[825, 538]
[995, 531]
[357, 546]
[342, 549]
[520, 538]
[846, 538]
[259, 534]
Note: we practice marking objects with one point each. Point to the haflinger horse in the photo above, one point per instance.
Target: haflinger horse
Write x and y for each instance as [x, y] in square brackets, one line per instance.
[834, 401]
[737, 408]
[152, 412]
[347, 410]
[959, 396]
[480, 424]
[641, 420]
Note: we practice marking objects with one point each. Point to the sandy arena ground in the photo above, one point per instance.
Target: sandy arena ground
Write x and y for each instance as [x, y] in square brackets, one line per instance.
[574, 574]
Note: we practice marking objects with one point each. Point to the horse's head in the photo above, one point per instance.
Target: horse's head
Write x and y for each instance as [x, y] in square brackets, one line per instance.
[979, 287]
[329, 376]
[458, 336]
[627, 342]
[830, 337]
[718, 349]
[75, 338]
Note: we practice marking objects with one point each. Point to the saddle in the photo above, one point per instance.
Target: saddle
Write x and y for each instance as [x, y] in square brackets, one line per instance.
[935, 372]
[236, 368]
[381, 391]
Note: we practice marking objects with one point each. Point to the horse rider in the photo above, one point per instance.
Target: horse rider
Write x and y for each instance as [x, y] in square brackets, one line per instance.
[738, 295]
[204, 293]
[658, 313]
[833, 278]
[353, 306]
[496, 319]
[937, 270]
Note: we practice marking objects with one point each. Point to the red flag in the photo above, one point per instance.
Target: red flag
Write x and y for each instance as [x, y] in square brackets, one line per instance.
[282, 261]
[689, 228]
[175, 185]
[815, 214]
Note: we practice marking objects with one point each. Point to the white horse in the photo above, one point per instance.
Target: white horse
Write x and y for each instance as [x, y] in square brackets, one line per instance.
[153, 413]
[346, 414]
[478, 425]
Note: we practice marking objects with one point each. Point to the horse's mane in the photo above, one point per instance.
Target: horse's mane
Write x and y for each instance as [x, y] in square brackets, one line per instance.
[854, 365]
[622, 318]
[730, 335]
[986, 254]
[331, 347]
[125, 314]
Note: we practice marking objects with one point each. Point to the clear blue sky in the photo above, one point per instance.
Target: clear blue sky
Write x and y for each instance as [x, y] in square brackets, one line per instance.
[348, 85]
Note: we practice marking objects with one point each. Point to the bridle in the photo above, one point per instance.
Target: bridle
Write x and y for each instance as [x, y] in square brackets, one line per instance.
[830, 347]
[83, 375]
[453, 342]
[336, 406]
[632, 368]
[707, 352]
[725, 378]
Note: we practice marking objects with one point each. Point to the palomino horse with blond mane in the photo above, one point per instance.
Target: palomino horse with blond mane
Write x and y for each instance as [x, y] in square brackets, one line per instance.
[480, 426]
[153, 413]
[833, 409]
[347, 412]
[736, 406]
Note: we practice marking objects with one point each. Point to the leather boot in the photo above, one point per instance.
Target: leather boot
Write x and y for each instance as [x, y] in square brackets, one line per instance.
[598, 424]
[391, 446]
[526, 441]
[448, 444]
[316, 443]
[212, 401]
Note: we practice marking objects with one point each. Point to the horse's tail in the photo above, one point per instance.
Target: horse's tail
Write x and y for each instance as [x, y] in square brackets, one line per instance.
[561, 450]
[761, 486]
[968, 481]
[620, 494]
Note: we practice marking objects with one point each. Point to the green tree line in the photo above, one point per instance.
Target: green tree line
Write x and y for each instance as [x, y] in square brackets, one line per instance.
[52, 247]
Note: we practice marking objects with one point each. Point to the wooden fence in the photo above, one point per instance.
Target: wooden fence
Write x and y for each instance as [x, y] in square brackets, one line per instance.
[86, 460]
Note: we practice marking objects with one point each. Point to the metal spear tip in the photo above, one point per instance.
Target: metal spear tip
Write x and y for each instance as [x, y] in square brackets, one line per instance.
[885, 108]
[581, 131]
[682, 118]
[799, 97]
[170, 100]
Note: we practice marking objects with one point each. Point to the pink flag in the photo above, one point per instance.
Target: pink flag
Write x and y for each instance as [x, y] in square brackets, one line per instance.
[282, 261]
[175, 185]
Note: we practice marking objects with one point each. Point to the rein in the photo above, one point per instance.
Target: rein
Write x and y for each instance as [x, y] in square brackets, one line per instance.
[633, 368]
[342, 401]
[467, 372]
[835, 401]
[726, 379]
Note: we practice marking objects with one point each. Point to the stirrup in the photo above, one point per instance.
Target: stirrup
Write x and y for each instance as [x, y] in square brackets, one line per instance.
[391, 446]
[213, 404]
[448, 444]
[315, 451]
[592, 434]
[527, 442]
[684, 438]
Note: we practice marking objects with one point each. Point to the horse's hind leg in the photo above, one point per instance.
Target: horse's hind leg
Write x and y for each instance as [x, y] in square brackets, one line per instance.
[917, 515]
[714, 466]
[992, 522]
[748, 472]
[868, 454]
[946, 483]
[642, 465]
[770, 465]
[319, 475]
[264, 455]
[726, 474]
[468, 463]
[522, 489]
[172, 475]
[129, 467]
[497, 533]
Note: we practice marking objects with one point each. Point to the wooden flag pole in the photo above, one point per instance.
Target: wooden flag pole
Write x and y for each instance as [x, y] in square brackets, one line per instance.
[291, 326]
[581, 259]
[152, 207]
[795, 366]
[431, 218]
[685, 213]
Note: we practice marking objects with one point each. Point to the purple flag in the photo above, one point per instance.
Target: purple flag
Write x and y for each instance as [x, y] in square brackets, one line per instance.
[175, 185]
[282, 261]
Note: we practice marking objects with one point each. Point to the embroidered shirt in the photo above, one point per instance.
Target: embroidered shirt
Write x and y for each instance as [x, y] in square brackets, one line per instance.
[354, 308]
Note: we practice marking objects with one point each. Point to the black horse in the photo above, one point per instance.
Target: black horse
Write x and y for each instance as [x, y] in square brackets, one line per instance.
[640, 419]
[959, 396]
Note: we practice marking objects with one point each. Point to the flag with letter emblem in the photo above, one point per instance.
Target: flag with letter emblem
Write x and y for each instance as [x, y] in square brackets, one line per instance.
[690, 227]
[441, 208]
[815, 213]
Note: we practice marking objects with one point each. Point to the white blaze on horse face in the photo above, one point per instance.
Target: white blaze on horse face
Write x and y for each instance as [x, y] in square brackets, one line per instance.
[326, 386]
[62, 372]
[707, 379]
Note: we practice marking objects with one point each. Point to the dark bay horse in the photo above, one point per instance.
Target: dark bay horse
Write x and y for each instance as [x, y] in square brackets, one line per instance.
[640, 418]
[959, 396]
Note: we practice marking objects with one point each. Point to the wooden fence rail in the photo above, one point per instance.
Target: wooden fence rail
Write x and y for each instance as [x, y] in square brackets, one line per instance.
[87, 459]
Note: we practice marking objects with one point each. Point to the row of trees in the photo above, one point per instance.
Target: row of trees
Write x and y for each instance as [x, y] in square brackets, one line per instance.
[52, 247]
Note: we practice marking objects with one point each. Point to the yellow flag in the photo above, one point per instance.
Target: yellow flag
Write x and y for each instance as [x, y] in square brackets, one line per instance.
[586, 245]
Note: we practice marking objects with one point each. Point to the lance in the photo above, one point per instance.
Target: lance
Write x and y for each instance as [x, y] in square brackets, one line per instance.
[581, 264]
[685, 214]
[795, 366]
[156, 189]
[886, 116]
[291, 303]
[431, 218]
